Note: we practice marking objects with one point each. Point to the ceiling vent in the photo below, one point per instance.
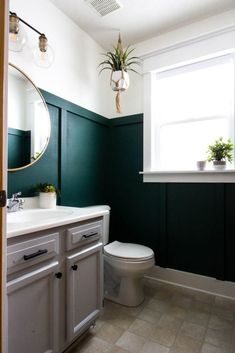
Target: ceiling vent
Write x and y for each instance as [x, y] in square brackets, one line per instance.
[104, 7]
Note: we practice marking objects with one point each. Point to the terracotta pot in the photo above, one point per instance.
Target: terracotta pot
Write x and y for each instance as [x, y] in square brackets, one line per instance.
[119, 80]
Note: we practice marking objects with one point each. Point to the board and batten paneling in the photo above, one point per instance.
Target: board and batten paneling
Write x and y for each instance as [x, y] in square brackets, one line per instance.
[94, 160]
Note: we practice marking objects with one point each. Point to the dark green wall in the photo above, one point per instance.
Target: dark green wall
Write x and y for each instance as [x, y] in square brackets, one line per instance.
[93, 160]
[19, 153]
[189, 226]
[75, 159]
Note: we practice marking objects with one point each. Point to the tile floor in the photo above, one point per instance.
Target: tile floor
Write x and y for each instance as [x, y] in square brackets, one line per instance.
[171, 320]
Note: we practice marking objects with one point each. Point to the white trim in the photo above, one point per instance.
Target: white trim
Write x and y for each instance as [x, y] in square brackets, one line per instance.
[193, 281]
[205, 176]
[188, 42]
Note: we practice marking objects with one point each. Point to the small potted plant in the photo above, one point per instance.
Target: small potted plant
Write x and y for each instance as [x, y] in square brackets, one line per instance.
[220, 152]
[119, 61]
[47, 195]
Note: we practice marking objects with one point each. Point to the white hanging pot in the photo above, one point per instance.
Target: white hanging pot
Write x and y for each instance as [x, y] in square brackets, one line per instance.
[47, 199]
[119, 80]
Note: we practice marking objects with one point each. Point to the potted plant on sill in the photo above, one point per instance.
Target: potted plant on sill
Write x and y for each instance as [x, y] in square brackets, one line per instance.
[47, 195]
[119, 61]
[220, 152]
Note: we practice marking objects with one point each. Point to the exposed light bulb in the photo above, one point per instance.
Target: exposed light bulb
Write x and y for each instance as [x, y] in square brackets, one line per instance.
[17, 34]
[43, 53]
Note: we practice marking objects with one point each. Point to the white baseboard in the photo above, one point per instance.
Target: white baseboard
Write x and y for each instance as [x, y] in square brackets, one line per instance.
[193, 281]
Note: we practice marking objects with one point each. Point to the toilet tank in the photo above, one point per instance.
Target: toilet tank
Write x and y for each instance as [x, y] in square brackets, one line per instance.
[105, 229]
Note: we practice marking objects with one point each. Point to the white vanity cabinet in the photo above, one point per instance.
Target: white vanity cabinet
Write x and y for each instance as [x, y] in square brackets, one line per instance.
[54, 286]
[33, 311]
[84, 279]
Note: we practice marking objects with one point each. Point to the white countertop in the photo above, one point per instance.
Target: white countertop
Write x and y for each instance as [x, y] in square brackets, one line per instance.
[33, 220]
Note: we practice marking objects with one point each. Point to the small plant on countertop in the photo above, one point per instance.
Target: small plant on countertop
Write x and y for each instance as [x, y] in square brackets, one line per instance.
[46, 187]
[220, 151]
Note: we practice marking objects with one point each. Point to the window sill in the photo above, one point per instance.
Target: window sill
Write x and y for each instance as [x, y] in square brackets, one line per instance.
[191, 176]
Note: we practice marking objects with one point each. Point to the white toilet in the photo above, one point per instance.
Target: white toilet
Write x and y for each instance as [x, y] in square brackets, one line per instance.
[124, 266]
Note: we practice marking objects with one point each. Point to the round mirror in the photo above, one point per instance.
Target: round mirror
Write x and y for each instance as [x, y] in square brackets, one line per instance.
[28, 121]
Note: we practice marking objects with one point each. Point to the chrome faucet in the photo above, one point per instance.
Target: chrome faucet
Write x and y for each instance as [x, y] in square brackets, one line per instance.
[15, 203]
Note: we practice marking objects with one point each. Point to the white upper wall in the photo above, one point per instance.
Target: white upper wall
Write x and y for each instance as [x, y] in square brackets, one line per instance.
[74, 74]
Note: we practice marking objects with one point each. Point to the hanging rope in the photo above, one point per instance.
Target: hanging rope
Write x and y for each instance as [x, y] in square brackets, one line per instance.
[118, 102]
[118, 88]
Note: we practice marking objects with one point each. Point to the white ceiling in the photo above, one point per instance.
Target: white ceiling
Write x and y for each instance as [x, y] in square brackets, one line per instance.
[139, 20]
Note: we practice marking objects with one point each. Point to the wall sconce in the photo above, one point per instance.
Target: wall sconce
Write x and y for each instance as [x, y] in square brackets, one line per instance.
[43, 53]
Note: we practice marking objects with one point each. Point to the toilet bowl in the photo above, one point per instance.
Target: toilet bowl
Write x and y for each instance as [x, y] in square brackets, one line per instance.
[124, 266]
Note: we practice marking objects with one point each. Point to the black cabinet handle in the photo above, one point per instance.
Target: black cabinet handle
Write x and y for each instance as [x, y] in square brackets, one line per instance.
[59, 275]
[74, 267]
[89, 235]
[35, 254]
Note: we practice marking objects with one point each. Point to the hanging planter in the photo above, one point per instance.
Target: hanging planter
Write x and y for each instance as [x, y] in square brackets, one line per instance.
[119, 62]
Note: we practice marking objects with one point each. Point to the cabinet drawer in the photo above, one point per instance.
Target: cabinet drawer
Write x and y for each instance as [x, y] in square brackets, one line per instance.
[83, 234]
[32, 251]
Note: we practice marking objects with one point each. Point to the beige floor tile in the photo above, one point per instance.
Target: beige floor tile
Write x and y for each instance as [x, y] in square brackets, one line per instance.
[164, 336]
[158, 305]
[149, 315]
[197, 317]
[208, 348]
[141, 328]
[119, 319]
[116, 349]
[219, 323]
[134, 311]
[220, 338]
[170, 322]
[225, 313]
[202, 306]
[181, 300]
[185, 344]
[177, 311]
[131, 342]
[172, 319]
[109, 333]
[193, 330]
[92, 345]
[153, 347]
[164, 294]
[204, 297]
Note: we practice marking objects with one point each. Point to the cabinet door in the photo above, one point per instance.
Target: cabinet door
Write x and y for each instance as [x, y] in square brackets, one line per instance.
[33, 311]
[84, 289]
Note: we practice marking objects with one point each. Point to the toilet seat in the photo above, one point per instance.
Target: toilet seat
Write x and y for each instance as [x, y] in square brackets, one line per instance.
[128, 251]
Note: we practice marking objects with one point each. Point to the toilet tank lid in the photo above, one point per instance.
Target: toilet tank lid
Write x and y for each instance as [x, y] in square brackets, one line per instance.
[128, 250]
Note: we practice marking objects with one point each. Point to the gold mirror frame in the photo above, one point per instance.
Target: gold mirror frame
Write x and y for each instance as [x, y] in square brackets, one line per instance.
[49, 132]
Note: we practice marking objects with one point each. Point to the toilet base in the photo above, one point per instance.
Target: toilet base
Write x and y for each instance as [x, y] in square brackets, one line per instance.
[130, 292]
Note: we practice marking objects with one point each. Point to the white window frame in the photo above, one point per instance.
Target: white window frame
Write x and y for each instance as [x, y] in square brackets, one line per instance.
[205, 47]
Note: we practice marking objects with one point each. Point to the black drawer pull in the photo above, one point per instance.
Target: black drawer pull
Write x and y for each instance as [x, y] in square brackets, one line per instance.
[74, 267]
[89, 235]
[35, 254]
[59, 275]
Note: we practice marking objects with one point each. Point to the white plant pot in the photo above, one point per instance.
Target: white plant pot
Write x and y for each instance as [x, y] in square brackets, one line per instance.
[219, 164]
[119, 81]
[47, 199]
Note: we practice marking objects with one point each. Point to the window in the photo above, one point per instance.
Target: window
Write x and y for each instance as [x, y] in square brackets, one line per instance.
[192, 105]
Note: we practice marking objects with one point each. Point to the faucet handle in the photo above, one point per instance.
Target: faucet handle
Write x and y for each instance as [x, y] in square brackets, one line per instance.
[15, 196]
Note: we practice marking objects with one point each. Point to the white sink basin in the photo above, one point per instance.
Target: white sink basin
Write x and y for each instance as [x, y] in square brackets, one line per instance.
[35, 219]
[35, 216]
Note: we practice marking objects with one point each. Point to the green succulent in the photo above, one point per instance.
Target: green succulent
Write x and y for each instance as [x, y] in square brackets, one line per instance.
[220, 150]
[119, 60]
[46, 187]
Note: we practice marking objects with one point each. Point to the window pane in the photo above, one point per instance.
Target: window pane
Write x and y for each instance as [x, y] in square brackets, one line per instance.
[195, 92]
[184, 144]
[194, 106]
